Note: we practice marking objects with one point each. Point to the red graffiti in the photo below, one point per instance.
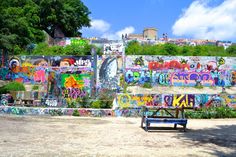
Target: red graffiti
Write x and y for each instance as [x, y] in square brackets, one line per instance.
[168, 65]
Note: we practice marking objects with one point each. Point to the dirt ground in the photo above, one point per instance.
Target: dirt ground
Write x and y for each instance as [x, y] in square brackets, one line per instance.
[81, 136]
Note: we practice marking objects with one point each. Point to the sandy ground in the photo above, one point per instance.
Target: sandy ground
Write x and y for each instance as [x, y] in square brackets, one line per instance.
[80, 136]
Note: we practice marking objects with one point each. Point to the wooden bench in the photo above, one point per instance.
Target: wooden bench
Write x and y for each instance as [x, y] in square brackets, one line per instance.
[149, 116]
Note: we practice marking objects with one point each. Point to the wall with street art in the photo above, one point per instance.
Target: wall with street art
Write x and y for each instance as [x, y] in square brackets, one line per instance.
[59, 77]
[180, 71]
[174, 100]
[109, 72]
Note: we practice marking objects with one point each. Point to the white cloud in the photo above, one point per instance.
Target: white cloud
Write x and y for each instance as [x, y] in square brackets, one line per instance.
[118, 34]
[126, 30]
[205, 22]
[102, 28]
[100, 25]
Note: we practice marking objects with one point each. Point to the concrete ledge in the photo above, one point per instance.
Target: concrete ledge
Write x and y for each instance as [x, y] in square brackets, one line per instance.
[69, 111]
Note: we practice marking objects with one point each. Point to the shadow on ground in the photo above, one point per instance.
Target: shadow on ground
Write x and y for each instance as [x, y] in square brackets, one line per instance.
[222, 136]
[164, 129]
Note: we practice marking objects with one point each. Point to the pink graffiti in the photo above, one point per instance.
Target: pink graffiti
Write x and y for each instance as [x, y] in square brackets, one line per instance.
[74, 93]
[39, 76]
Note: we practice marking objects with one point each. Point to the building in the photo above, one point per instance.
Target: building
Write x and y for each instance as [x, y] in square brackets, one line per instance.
[148, 34]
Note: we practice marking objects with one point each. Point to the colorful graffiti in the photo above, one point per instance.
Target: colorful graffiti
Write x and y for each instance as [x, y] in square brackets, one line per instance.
[113, 49]
[174, 100]
[179, 100]
[110, 70]
[55, 111]
[180, 71]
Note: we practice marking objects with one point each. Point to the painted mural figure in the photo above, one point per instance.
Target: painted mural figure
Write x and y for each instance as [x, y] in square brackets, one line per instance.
[66, 62]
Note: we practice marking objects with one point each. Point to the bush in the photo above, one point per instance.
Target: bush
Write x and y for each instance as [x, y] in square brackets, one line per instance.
[71, 105]
[35, 87]
[96, 104]
[106, 98]
[84, 102]
[76, 113]
[213, 112]
[12, 86]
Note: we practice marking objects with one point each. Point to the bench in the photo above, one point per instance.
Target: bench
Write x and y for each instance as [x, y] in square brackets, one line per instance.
[149, 116]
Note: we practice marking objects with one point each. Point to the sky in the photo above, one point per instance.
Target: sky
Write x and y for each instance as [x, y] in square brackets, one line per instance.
[193, 19]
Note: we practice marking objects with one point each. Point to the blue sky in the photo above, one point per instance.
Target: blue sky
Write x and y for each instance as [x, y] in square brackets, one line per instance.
[198, 19]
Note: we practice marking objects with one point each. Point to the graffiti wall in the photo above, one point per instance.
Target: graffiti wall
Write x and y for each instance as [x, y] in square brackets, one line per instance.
[110, 71]
[70, 41]
[114, 49]
[180, 71]
[174, 100]
[59, 77]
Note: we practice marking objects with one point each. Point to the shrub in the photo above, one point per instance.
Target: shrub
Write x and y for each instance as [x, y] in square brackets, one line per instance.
[76, 113]
[71, 105]
[12, 86]
[96, 104]
[35, 87]
[106, 98]
[213, 112]
[84, 102]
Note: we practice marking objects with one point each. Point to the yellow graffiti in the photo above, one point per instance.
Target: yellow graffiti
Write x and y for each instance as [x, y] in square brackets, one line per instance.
[27, 64]
[182, 101]
[124, 100]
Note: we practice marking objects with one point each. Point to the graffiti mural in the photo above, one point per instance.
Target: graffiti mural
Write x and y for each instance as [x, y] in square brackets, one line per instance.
[179, 100]
[110, 70]
[134, 101]
[174, 100]
[113, 49]
[180, 71]
[56, 76]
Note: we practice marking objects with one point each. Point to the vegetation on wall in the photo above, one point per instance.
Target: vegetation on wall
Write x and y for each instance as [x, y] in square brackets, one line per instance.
[212, 112]
[135, 48]
[44, 49]
[12, 86]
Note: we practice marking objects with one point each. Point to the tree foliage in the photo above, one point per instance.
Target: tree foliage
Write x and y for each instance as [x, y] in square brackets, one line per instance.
[18, 23]
[22, 22]
[135, 48]
[44, 49]
[68, 15]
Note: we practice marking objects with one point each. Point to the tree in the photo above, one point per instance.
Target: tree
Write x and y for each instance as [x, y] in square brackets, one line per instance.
[18, 24]
[133, 48]
[22, 22]
[67, 15]
[171, 49]
[231, 50]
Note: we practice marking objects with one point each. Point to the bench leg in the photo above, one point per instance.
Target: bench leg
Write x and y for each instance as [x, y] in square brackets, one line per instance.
[146, 125]
[142, 122]
[184, 126]
[175, 126]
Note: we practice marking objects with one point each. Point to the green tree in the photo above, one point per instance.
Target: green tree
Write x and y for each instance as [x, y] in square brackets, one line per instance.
[68, 15]
[19, 20]
[23, 22]
[134, 48]
[231, 50]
